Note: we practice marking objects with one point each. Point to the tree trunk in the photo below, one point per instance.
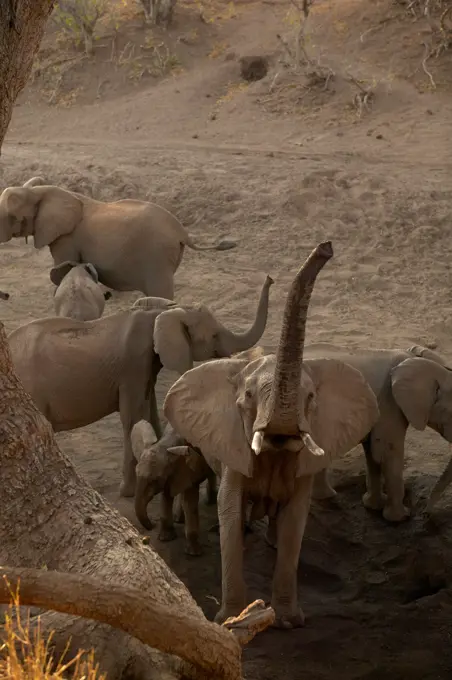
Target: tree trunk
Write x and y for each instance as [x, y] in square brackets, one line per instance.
[52, 518]
[22, 24]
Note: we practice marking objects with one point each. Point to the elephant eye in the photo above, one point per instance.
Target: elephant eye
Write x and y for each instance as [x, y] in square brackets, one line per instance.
[248, 395]
[309, 400]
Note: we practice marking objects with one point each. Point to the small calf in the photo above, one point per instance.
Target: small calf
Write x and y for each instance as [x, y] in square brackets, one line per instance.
[78, 294]
[169, 466]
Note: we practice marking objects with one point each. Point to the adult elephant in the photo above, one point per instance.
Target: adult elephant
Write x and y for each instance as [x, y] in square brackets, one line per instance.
[134, 245]
[273, 422]
[78, 372]
[413, 387]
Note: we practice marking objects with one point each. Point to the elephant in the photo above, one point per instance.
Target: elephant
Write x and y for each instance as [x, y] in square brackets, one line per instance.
[272, 422]
[413, 387]
[134, 245]
[169, 466]
[78, 372]
[78, 294]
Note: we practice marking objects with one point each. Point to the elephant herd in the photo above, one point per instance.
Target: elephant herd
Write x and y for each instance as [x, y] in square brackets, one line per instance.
[267, 425]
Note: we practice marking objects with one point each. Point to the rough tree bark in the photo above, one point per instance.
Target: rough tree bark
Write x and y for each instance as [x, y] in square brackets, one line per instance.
[22, 24]
[52, 518]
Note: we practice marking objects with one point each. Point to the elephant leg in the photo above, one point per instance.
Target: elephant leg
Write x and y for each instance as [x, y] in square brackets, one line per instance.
[154, 413]
[322, 488]
[291, 523]
[130, 412]
[159, 281]
[393, 463]
[233, 590]
[271, 535]
[190, 500]
[374, 498]
[211, 486]
[167, 531]
[179, 512]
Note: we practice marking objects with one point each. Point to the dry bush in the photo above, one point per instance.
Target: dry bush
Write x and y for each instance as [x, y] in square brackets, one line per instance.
[78, 19]
[158, 11]
[438, 14]
[25, 655]
[296, 46]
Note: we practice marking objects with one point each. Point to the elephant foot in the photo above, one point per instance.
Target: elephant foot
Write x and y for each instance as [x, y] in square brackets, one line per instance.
[374, 501]
[127, 489]
[396, 514]
[193, 546]
[167, 534]
[289, 619]
[227, 611]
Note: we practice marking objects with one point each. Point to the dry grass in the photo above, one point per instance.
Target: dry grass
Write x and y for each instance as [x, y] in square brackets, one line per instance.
[25, 655]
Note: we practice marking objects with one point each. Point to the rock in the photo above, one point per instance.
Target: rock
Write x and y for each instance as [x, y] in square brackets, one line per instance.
[253, 68]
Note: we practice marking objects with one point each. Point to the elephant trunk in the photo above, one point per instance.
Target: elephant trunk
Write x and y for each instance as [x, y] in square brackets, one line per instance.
[282, 417]
[238, 342]
[143, 496]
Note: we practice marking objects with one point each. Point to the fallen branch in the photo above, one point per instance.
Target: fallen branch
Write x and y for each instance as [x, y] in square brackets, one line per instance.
[427, 55]
[163, 628]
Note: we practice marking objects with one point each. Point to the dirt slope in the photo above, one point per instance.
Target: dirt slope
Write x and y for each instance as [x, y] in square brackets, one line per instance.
[279, 165]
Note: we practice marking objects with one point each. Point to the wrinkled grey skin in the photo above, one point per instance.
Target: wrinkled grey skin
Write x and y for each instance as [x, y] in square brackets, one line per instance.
[78, 372]
[77, 228]
[271, 422]
[78, 294]
[413, 387]
[168, 466]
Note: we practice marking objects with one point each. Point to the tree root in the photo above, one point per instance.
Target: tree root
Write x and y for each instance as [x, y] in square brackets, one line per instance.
[211, 650]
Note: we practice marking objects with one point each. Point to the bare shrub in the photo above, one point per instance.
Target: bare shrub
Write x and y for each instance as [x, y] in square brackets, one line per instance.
[158, 11]
[78, 19]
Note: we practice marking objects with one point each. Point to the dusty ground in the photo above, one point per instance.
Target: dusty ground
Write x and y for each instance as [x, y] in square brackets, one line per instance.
[279, 165]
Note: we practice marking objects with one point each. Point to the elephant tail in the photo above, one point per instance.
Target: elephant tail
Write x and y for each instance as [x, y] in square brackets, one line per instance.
[222, 245]
[440, 486]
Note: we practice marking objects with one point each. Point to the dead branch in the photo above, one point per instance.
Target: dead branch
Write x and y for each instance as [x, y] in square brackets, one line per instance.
[253, 620]
[363, 99]
[427, 55]
[164, 628]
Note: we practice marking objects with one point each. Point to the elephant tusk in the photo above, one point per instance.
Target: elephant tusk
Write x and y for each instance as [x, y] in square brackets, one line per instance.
[311, 445]
[256, 445]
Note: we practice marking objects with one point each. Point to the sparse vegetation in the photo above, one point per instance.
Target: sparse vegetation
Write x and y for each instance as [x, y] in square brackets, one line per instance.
[158, 11]
[79, 18]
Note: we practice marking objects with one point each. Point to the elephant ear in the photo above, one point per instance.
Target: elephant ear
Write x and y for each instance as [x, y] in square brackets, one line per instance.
[172, 341]
[194, 460]
[426, 353]
[59, 212]
[58, 273]
[344, 410]
[201, 406]
[414, 387]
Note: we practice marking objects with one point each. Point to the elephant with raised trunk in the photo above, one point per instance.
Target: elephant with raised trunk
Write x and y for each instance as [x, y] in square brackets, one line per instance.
[413, 387]
[272, 422]
[78, 372]
[134, 245]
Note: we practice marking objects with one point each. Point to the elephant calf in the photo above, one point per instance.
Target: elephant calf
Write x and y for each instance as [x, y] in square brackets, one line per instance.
[169, 466]
[413, 387]
[78, 294]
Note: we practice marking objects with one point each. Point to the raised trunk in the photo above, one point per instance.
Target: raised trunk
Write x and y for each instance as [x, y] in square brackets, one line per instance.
[238, 342]
[283, 405]
[22, 25]
[142, 500]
